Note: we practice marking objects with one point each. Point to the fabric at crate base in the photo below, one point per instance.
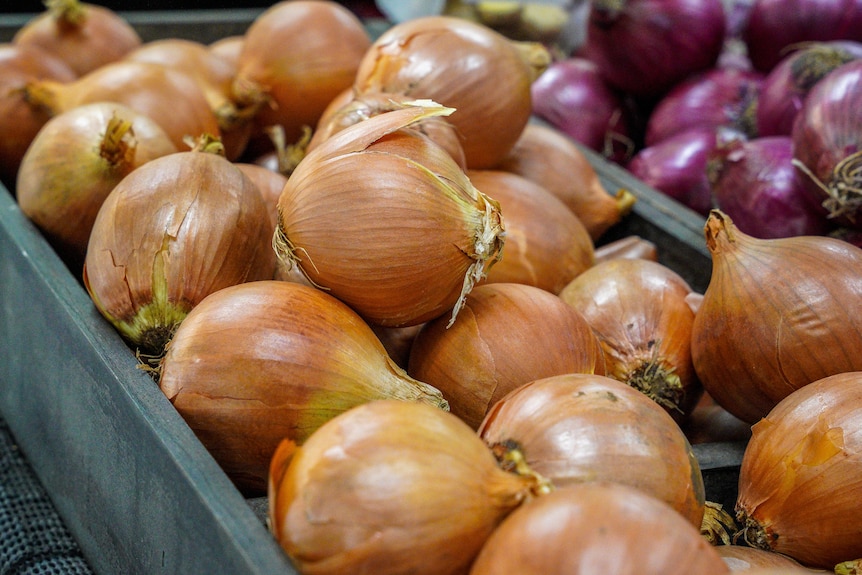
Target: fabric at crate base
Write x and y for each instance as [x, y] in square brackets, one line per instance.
[33, 538]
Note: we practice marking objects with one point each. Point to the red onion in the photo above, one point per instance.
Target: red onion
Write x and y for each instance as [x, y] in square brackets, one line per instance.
[773, 25]
[644, 47]
[572, 96]
[827, 143]
[785, 87]
[754, 183]
[676, 167]
[713, 98]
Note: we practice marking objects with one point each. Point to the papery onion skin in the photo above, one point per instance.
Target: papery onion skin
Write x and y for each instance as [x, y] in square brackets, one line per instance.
[509, 334]
[744, 558]
[622, 437]
[801, 473]
[159, 245]
[547, 246]
[827, 143]
[414, 234]
[597, 527]
[551, 159]
[644, 47]
[263, 361]
[777, 314]
[390, 487]
[483, 75]
[638, 310]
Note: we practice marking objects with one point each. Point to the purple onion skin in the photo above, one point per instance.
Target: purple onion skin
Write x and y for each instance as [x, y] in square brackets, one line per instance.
[754, 182]
[773, 25]
[826, 134]
[572, 96]
[645, 47]
[718, 97]
[784, 88]
[676, 167]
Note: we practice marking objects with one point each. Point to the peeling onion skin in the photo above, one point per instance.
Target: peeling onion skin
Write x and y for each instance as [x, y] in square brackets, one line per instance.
[597, 528]
[575, 428]
[389, 487]
[801, 475]
[508, 335]
[170, 233]
[776, 315]
[259, 362]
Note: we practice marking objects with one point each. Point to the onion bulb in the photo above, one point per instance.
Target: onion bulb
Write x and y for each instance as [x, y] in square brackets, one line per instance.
[85, 36]
[483, 75]
[414, 235]
[744, 558]
[622, 436]
[631, 246]
[159, 245]
[259, 362]
[75, 161]
[801, 473]
[777, 314]
[546, 156]
[638, 310]
[510, 334]
[547, 246]
[597, 527]
[390, 487]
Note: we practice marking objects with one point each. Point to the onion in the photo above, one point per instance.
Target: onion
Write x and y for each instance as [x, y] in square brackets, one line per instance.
[573, 96]
[801, 473]
[708, 422]
[622, 437]
[85, 36]
[296, 57]
[259, 362]
[414, 235]
[169, 97]
[632, 246]
[755, 184]
[715, 98]
[483, 75]
[510, 334]
[744, 558]
[551, 159]
[785, 86]
[228, 48]
[644, 47]
[74, 162]
[597, 527]
[773, 26]
[159, 246]
[547, 246]
[638, 310]
[20, 121]
[390, 487]
[804, 290]
[827, 142]
[677, 167]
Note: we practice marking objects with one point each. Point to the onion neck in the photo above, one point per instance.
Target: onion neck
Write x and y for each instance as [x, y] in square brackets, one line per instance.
[118, 144]
[510, 457]
[67, 13]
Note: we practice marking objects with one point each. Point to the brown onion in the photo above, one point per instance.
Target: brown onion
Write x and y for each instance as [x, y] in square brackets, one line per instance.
[228, 48]
[296, 57]
[709, 422]
[170, 233]
[547, 246]
[777, 314]
[632, 246]
[390, 487]
[638, 310]
[85, 36]
[543, 154]
[596, 528]
[75, 161]
[414, 235]
[464, 65]
[801, 475]
[508, 335]
[574, 428]
[259, 362]
[171, 98]
[743, 558]
[19, 120]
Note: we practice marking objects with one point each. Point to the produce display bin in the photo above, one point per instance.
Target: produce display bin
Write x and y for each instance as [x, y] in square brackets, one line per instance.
[136, 488]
